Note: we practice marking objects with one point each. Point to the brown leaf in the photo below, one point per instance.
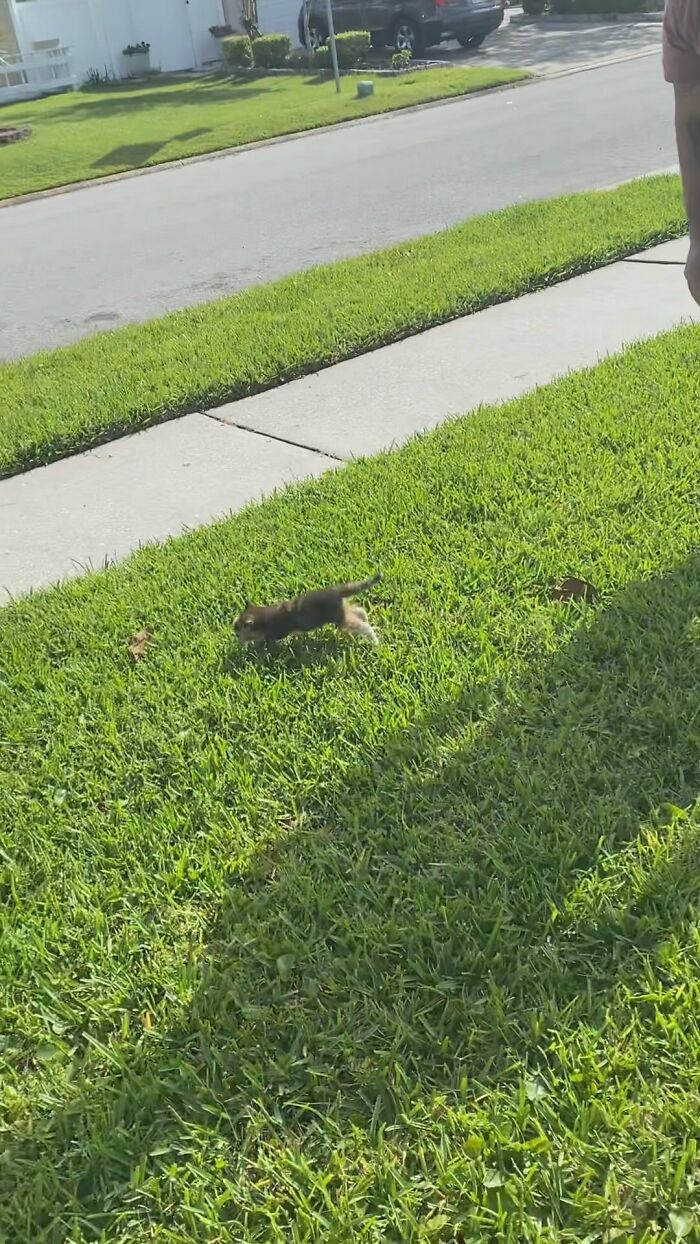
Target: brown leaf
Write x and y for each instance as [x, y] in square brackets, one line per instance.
[139, 644]
[575, 589]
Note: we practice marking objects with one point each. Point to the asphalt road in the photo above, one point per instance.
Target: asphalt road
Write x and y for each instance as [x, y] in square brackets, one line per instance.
[113, 253]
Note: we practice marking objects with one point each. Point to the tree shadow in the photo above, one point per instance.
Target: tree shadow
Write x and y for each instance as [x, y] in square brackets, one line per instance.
[108, 103]
[426, 918]
[196, 133]
[134, 155]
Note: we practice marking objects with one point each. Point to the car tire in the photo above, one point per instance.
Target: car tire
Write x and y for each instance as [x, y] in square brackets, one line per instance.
[470, 41]
[407, 36]
[317, 38]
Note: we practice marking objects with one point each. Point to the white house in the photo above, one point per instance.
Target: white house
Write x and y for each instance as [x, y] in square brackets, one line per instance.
[97, 31]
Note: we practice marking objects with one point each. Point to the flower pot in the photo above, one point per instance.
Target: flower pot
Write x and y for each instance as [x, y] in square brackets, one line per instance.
[136, 65]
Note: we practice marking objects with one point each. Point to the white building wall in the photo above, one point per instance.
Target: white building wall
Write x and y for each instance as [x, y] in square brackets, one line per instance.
[279, 17]
[97, 30]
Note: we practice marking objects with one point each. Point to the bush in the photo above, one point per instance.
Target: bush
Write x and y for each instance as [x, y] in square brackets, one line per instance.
[238, 51]
[271, 51]
[322, 58]
[299, 58]
[402, 59]
[533, 8]
[352, 48]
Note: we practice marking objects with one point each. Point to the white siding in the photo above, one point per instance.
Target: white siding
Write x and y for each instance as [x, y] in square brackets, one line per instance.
[97, 30]
[279, 17]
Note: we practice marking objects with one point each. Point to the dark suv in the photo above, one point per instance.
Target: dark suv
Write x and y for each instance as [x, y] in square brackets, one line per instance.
[406, 24]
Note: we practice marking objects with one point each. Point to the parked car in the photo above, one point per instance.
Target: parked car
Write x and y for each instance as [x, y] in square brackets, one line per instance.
[412, 25]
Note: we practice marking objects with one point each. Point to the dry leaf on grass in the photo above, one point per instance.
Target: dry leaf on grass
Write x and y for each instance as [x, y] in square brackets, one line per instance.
[139, 644]
[575, 589]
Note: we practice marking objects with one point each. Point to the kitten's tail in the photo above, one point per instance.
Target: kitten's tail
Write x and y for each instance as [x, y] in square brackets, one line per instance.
[354, 589]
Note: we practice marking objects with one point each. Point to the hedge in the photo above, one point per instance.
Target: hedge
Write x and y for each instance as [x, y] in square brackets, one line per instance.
[238, 51]
[271, 51]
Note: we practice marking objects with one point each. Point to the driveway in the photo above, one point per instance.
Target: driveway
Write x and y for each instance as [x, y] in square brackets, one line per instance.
[549, 47]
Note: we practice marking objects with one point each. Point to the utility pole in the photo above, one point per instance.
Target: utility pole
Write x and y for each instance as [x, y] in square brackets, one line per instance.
[331, 40]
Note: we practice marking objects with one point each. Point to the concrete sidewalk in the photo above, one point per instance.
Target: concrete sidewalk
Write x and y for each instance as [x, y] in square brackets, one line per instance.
[94, 508]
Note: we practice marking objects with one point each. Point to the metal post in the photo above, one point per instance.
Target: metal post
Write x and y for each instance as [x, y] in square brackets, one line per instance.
[307, 33]
[331, 40]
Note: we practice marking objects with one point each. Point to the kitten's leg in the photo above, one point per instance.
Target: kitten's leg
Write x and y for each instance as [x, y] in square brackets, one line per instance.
[355, 621]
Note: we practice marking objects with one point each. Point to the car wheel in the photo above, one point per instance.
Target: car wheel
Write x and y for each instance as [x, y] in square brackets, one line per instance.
[407, 37]
[317, 38]
[470, 41]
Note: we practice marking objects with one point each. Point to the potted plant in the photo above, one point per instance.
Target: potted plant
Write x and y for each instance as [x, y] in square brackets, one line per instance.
[138, 59]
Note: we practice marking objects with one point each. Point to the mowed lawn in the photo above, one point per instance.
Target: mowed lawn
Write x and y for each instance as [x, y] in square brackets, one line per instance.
[65, 400]
[93, 133]
[341, 944]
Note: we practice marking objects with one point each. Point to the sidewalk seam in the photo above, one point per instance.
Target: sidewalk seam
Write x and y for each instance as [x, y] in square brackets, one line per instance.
[270, 436]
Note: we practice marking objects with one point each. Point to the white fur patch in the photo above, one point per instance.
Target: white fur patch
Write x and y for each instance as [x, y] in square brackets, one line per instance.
[368, 632]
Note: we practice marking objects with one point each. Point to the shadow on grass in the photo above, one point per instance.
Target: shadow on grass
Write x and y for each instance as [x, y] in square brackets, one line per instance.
[196, 133]
[133, 155]
[110, 103]
[420, 923]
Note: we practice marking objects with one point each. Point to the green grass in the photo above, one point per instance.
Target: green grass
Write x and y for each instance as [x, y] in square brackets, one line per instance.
[372, 945]
[59, 402]
[93, 133]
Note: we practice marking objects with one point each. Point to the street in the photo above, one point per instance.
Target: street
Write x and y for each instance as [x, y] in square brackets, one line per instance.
[125, 251]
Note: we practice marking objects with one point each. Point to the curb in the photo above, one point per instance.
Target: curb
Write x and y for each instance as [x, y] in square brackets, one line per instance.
[223, 152]
[94, 182]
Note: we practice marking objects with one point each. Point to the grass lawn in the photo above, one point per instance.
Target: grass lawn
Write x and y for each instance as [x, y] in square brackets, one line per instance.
[92, 133]
[384, 945]
[58, 402]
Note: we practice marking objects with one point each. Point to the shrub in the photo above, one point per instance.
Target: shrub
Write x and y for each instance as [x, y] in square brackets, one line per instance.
[533, 8]
[299, 58]
[352, 48]
[402, 59]
[238, 51]
[271, 51]
[322, 58]
[95, 78]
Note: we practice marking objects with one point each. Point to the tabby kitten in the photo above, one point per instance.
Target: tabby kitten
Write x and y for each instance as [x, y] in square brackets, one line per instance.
[262, 624]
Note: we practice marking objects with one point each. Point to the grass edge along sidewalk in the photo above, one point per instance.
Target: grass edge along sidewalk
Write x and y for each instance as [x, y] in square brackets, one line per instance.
[341, 941]
[59, 402]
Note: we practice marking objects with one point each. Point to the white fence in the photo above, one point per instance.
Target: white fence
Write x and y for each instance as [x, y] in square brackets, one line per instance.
[37, 73]
[97, 30]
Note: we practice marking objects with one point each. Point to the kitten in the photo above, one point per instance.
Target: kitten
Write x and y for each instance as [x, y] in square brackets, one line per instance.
[265, 623]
